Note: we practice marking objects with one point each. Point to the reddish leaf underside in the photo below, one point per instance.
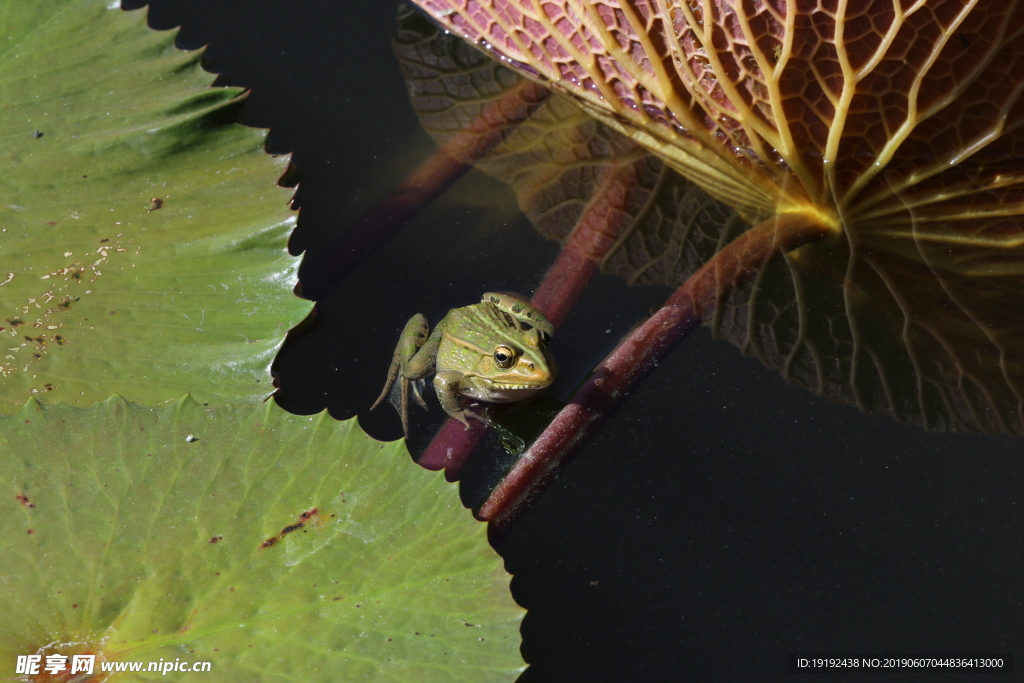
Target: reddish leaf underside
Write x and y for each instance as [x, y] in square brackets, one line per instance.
[897, 124]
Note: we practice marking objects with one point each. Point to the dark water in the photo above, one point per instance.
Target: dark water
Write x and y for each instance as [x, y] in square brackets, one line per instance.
[722, 518]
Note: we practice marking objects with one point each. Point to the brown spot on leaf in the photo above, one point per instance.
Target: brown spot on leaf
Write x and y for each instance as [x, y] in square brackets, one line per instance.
[23, 499]
[309, 516]
[156, 203]
[214, 539]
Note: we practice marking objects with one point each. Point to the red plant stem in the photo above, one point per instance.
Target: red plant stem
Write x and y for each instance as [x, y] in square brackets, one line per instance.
[594, 234]
[450, 448]
[329, 266]
[637, 355]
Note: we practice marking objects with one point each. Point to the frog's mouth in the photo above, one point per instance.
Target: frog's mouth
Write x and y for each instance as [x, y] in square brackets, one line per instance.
[508, 386]
[504, 392]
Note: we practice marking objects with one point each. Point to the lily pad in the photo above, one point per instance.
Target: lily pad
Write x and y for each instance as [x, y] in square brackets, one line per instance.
[142, 233]
[275, 546]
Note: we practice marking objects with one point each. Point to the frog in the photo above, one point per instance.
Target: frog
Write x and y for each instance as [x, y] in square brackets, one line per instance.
[494, 351]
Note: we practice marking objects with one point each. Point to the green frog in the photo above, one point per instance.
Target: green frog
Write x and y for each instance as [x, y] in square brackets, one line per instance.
[493, 351]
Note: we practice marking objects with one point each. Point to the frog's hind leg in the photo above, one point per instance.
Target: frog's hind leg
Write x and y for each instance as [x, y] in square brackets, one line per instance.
[413, 360]
[408, 343]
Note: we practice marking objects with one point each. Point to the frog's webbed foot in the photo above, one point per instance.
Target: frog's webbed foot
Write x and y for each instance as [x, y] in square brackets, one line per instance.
[389, 382]
[417, 388]
[463, 414]
[398, 396]
[413, 359]
[448, 386]
[466, 412]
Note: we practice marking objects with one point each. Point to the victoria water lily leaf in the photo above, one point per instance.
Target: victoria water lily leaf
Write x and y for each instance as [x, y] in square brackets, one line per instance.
[275, 546]
[556, 158]
[779, 104]
[898, 127]
[142, 233]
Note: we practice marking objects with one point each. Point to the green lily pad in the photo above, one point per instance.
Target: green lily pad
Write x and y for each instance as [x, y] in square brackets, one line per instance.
[275, 546]
[142, 233]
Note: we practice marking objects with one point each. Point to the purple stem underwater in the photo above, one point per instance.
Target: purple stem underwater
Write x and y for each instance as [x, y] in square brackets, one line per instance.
[637, 355]
[322, 271]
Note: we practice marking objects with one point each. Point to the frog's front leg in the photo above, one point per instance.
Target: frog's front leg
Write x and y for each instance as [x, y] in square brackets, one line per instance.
[413, 359]
[450, 386]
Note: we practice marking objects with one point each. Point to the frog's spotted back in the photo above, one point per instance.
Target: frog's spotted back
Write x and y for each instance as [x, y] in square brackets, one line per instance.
[520, 307]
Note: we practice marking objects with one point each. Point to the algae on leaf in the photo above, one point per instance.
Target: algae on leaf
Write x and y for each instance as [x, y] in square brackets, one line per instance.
[273, 545]
[142, 233]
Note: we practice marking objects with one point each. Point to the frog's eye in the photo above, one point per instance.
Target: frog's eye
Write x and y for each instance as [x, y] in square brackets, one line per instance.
[504, 357]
